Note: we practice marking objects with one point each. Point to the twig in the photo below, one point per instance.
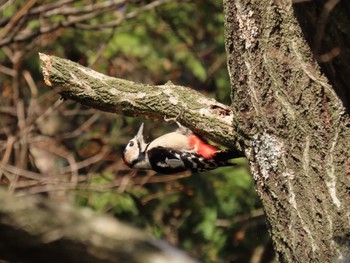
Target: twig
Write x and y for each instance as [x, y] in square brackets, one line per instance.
[75, 17]
[47, 7]
[22, 172]
[131, 15]
[82, 127]
[94, 159]
[7, 154]
[17, 17]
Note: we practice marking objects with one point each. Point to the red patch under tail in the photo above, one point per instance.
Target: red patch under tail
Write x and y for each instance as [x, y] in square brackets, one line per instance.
[206, 150]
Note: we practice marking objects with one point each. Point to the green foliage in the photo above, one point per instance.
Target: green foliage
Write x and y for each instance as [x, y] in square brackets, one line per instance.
[108, 200]
[189, 212]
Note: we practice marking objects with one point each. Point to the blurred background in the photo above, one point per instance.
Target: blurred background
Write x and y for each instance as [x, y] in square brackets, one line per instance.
[72, 153]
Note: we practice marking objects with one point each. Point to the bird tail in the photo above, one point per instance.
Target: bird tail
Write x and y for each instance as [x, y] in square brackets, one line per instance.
[223, 158]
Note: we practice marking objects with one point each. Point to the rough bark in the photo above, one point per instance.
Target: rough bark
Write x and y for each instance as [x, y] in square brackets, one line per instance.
[189, 107]
[326, 27]
[35, 229]
[297, 129]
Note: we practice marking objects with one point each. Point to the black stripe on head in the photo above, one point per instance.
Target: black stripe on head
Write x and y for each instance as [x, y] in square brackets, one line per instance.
[140, 158]
[134, 145]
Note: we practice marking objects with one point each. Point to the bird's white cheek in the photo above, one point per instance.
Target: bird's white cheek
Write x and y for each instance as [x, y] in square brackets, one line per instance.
[130, 156]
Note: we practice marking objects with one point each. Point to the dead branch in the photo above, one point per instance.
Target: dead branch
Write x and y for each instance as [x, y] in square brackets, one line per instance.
[189, 107]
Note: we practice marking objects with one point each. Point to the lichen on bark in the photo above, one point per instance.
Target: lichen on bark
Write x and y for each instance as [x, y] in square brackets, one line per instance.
[192, 109]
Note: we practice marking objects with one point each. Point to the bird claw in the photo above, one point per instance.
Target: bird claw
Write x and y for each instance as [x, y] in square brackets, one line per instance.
[174, 119]
[182, 129]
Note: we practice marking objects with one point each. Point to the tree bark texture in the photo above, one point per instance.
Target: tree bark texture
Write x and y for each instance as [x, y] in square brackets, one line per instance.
[296, 131]
[326, 26]
[35, 229]
[192, 109]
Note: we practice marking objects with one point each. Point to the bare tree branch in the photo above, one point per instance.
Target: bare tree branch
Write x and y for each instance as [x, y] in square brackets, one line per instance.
[189, 107]
[63, 232]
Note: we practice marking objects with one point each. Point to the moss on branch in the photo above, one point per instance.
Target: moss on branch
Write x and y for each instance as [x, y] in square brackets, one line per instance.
[191, 108]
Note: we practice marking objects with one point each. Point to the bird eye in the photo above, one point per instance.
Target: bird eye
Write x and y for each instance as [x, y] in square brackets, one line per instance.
[131, 144]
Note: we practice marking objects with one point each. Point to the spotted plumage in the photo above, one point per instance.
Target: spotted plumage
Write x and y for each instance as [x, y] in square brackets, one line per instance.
[175, 152]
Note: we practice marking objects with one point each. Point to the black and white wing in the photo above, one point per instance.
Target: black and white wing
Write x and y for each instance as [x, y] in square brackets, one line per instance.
[168, 161]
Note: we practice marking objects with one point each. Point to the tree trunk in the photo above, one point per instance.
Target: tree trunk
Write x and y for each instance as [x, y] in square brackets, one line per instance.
[296, 131]
[326, 26]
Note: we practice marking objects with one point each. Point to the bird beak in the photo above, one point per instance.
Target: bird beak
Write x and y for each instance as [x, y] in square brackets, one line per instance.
[139, 135]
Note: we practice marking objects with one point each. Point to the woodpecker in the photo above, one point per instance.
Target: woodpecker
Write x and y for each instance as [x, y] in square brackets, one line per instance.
[175, 152]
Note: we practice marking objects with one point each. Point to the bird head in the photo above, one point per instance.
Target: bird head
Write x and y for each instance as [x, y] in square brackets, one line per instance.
[134, 154]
